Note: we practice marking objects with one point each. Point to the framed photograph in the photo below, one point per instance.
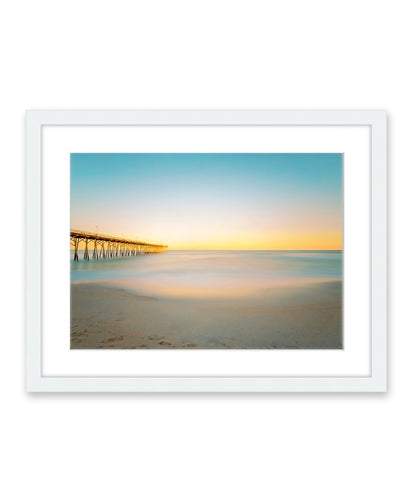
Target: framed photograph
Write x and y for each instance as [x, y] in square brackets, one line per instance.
[206, 251]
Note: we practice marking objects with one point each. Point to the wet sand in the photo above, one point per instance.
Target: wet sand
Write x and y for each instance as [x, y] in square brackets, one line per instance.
[107, 317]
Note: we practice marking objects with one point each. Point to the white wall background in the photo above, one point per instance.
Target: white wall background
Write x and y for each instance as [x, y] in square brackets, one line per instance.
[219, 54]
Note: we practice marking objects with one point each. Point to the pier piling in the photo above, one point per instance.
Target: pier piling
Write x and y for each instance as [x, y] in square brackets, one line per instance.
[105, 246]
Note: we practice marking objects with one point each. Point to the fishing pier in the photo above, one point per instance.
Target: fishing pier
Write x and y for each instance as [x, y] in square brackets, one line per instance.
[102, 246]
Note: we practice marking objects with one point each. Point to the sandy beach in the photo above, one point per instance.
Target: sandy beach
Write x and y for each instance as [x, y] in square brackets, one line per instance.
[107, 317]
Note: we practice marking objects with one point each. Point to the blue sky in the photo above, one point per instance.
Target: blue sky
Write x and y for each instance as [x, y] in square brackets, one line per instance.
[211, 201]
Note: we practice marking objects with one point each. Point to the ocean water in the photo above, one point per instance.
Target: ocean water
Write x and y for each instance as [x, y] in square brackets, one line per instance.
[197, 274]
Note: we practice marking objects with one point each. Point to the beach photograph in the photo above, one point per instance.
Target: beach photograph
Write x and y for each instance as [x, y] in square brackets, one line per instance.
[206, 251]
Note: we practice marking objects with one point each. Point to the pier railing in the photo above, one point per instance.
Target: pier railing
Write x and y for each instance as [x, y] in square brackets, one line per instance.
[105, 246]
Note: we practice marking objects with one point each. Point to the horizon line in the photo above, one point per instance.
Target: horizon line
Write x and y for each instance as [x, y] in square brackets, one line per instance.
[290, 249]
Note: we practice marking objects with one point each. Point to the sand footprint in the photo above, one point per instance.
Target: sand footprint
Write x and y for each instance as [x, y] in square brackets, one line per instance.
[113, 339]
[153, 337]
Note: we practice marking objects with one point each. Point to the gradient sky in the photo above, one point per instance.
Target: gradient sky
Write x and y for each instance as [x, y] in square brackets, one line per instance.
[211, 201]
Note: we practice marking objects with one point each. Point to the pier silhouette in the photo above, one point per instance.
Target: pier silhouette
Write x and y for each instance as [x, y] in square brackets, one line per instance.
[104, 246]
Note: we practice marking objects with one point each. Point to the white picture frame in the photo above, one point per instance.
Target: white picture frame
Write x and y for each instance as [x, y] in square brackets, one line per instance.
[374, 381]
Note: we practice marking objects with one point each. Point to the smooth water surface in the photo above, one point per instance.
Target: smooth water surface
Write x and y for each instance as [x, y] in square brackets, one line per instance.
[212, 273]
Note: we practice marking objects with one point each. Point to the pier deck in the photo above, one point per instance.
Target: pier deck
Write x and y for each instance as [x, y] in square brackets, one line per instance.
[104, 246]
